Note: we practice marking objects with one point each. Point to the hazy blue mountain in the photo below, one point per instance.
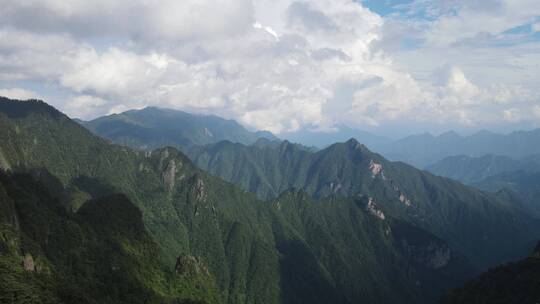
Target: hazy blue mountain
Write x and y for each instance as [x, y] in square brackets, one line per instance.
[470, 170]
[518, 179]
[152, 127]
[342, 133]
[425, 149]
[523, 184]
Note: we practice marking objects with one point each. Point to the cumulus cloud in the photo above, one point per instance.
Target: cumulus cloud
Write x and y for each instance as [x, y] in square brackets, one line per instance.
[20, 94]
[86, 106]
[276, 65]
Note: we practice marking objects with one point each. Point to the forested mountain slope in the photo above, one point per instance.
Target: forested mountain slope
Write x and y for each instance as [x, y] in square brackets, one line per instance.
[514, 283]
[293, 250]
[471, 220]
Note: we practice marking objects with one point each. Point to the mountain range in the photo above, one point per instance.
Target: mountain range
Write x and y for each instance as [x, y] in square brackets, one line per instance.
[314, 138]
[472, 170]
[516, 178]
[86, 220]
[426, 149]
[152, 128]
[269, 167]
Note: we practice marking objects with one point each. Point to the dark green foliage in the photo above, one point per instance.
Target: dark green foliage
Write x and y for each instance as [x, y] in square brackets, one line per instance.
[514, 283]
[347, 242]
[186, 211]
[152, 128]
[101, 254]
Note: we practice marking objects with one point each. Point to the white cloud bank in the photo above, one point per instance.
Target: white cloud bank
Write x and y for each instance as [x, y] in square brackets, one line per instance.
[275, 65]
[18, 93]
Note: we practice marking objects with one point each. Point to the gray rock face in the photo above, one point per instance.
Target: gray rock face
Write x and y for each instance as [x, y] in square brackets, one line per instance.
[169, 174]
[199, 189]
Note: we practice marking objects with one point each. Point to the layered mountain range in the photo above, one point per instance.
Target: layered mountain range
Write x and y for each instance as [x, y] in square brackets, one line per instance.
[152, 128]
[425, 149]
[86, 220]
[516, 178]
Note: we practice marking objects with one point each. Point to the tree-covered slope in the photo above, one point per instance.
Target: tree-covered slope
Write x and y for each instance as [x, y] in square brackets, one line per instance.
[484, 227]
[514, 283]
[152, 128]
[350, 238]
[254, 251]
[99, 254]
[186, 211]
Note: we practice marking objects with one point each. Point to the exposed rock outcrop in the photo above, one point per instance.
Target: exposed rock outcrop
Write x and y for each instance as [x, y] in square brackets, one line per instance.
[199, 189]
[190, 265]
[29, 264]
[376, 169]
[404, 199]
[169, 174]
[372, 208]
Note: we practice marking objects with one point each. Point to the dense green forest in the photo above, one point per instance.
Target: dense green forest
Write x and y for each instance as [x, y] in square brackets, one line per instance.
[89, 221]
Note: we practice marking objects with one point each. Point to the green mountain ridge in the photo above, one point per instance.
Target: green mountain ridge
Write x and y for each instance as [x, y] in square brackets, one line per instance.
[100, 254]
[254, 251]
[465, 217]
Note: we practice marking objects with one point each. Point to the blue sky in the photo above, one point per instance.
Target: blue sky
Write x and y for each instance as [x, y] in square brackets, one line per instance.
[384, 7]
[402, 66]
